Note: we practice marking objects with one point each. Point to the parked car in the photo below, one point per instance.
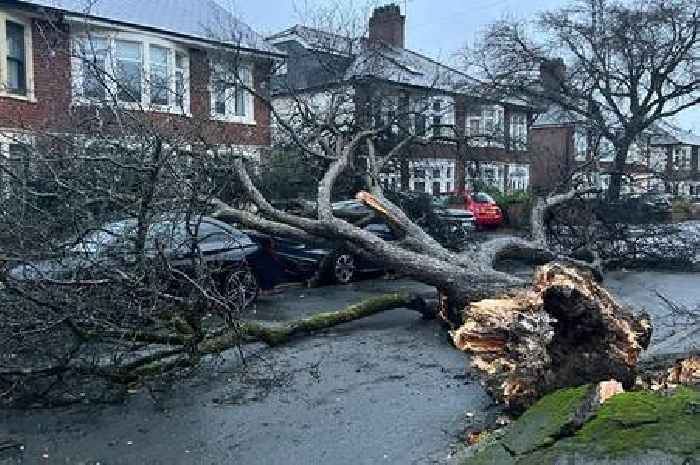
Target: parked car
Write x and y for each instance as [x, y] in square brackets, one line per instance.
[462, 221]
[484, 208]
[227, 251]
[285, 259]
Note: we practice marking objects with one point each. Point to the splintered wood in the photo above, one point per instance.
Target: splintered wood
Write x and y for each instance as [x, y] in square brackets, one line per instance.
[565, 331]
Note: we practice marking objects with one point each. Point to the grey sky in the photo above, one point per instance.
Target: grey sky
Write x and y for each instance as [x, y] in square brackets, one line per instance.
[438, 28]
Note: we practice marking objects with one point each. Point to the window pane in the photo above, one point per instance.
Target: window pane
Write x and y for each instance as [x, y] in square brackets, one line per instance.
[93, 52]
[159, 81]
[241, 95]
[16, 70]
[241, 92]
[180, 63]
[220, 99]
[129, 67]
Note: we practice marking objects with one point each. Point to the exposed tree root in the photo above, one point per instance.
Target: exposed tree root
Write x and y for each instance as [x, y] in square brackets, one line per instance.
[565, 331]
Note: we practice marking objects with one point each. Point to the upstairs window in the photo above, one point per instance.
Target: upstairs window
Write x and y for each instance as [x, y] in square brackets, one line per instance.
[15, 57]
[518, 131]
[230, 98]
[16, 64]
[95, 69]
[141, 71]
[128, 71]
[159, 76]
[437, 118]
[484, 124]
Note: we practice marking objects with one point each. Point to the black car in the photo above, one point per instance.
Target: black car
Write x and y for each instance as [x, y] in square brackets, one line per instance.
[283, 259]
[226, 251]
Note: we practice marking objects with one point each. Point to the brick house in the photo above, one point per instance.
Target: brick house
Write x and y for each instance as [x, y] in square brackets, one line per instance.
[675, 154]
[664, 159]
[60, 60]
[384, 81]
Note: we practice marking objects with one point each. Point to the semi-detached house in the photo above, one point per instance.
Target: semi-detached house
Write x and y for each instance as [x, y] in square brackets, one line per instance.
[385, 81]
[159, 55]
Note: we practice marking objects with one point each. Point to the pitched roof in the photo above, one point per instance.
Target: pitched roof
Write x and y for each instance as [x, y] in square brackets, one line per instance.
[316, 39]
[666, 133]
[557, 116]
[199, 19]
[407, 67]
[378, 60]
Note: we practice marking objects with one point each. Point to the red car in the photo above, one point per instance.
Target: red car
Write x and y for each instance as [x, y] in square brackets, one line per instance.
[485, 209]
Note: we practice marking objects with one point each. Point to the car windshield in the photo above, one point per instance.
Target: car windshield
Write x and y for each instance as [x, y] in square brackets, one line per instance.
[483, 197]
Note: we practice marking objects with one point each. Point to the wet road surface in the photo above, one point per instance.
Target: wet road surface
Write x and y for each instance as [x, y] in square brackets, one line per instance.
[384, 390]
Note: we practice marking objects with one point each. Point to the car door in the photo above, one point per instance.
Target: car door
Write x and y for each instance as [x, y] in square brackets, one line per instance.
[298, 260]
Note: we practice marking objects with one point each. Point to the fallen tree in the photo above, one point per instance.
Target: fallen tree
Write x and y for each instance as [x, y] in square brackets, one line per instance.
[565, 331]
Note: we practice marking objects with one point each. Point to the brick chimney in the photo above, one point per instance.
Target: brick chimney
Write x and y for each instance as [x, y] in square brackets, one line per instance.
[553, 75]
[388, 25]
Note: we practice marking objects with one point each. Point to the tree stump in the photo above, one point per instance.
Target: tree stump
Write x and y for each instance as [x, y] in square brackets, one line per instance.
[565, 331]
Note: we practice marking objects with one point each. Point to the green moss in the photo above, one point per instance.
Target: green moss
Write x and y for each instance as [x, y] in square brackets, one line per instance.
[494, 454]
[629, 427]
[545, 420]
[644, 421]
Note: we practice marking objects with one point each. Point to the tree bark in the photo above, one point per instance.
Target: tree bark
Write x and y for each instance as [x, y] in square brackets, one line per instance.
[565, 331]
[615, 188]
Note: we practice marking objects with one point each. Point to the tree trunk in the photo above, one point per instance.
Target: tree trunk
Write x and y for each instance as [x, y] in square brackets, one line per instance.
[565, 331]
[460, 163]
[619, 165]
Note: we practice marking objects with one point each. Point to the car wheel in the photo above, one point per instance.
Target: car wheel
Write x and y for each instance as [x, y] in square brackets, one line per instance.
[241, 287]
[344, 268]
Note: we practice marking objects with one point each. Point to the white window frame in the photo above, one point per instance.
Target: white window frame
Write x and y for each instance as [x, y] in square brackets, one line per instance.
[517, 183]
[28, 57]
[683, 157]
[145, 41]
[518, 131]
[230, 103]
[484, 138]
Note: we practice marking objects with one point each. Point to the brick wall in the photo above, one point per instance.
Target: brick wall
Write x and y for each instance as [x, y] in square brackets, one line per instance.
[552, 152]
[52, 109]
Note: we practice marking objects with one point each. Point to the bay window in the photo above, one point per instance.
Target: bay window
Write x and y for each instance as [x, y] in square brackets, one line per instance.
[15, 57]
[145, 72]
[230, 98]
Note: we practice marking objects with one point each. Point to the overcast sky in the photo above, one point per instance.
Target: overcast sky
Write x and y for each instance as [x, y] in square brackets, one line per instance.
[438, 28]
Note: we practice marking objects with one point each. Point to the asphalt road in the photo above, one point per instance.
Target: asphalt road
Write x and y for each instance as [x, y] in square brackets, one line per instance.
[384, 390]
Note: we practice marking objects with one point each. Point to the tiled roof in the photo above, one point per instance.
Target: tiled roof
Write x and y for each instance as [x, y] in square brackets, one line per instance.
[669, 134]
[200, 19]
[322, 41]
[405, 66]
[557, 116]
[379, 61]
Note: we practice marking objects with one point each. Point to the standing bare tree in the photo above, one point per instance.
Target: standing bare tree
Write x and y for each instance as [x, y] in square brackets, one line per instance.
[617, 66]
